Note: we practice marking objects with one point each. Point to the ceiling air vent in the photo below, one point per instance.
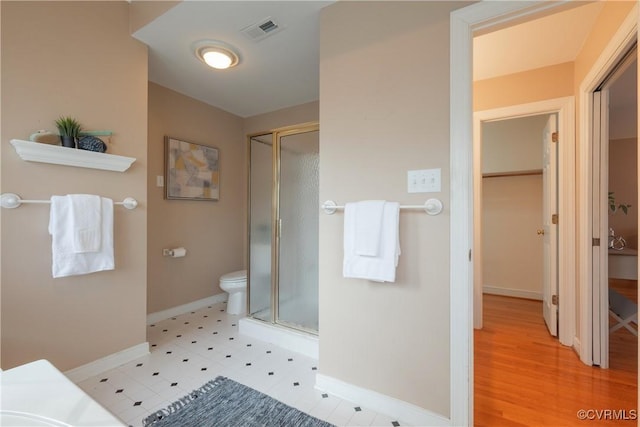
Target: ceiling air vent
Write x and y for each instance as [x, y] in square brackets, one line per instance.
[261, 30]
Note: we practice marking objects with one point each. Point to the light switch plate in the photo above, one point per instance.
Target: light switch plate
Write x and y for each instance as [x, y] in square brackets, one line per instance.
[424, 181]
[159, 181]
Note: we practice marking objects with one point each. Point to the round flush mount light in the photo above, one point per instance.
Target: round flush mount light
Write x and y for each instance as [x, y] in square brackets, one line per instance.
[216, 54]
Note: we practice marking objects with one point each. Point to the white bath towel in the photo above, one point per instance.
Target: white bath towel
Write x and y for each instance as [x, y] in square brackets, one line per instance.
[76, 246]
[86, 220]
[379, 268]
[368, 227]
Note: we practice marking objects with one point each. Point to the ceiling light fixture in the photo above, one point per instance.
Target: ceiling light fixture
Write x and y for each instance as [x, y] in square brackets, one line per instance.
[216, 54]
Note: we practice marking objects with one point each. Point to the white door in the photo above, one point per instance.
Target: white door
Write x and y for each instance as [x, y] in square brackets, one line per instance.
[549, 231]
[599, 252]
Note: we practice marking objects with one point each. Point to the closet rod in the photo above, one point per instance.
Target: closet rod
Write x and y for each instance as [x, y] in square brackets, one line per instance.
[431, 207]
[11, 200]
[507, 174]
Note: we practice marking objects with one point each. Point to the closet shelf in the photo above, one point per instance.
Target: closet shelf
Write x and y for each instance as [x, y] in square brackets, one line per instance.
[57, 155]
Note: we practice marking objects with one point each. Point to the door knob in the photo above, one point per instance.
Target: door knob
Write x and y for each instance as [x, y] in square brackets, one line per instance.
[540, 232]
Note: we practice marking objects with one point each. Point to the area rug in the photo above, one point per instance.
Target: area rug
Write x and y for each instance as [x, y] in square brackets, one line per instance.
[224, 402]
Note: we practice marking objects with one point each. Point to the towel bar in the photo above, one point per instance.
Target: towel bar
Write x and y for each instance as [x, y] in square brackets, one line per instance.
[11, 201]
[431, 207]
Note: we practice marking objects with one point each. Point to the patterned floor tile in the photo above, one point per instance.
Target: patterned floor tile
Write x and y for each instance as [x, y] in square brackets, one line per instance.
[191, 349]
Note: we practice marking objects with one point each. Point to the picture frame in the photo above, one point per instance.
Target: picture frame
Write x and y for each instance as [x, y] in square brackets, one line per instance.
[192, 171]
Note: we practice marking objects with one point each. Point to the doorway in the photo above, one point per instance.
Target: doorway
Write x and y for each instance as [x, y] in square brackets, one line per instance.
[512, 206]
[464, 22]
[562, 253]
[623, 187]
[615, 224]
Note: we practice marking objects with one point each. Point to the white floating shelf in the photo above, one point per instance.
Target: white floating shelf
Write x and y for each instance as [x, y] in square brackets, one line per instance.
[58, 155]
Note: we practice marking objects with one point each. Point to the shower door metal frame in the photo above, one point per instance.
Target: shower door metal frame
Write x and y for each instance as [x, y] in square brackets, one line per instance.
[276, 226]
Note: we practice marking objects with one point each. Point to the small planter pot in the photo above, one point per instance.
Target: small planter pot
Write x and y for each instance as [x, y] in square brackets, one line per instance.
[68, 141]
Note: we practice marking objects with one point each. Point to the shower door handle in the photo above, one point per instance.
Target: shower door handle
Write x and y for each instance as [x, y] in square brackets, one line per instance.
[279, 225]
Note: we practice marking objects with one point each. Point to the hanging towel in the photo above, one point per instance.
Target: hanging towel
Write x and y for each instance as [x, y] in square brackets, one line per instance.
[379, 268]
[368, 227]
[86, 219]
[79, 244]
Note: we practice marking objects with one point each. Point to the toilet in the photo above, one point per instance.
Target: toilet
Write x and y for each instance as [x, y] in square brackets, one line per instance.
[235, 284]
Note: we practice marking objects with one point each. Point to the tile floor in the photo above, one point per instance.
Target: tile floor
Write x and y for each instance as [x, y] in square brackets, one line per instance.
[193, 348]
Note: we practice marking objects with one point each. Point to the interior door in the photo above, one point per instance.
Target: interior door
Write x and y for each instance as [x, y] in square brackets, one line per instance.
[549, 231]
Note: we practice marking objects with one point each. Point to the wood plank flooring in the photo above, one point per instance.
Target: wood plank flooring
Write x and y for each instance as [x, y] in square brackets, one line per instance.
[525, 377]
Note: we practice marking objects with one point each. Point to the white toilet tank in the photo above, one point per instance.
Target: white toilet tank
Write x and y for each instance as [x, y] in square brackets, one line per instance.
[234, 276]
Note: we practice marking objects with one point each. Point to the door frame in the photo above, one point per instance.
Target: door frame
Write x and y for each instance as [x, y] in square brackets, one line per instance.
[566, 258]
[464, 23]
[611, 55]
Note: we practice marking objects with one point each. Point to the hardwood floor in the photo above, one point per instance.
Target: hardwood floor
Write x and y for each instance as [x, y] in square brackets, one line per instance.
[525, 377]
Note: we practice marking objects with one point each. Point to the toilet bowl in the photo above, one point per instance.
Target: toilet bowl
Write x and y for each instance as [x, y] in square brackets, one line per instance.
[235, 284]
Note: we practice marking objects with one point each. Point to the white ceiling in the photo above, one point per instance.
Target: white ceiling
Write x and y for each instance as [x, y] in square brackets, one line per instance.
[279, 71]
[282, 70]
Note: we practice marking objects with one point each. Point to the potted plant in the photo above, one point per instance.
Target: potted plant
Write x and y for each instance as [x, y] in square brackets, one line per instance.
[614, 207]
[616, 242]
[69, 129]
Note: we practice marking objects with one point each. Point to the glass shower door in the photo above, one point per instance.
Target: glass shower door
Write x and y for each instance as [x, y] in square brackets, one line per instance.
[260, 227]
[298, 217]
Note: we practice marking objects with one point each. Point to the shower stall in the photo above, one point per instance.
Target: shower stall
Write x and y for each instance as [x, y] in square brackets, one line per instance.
[283, 227]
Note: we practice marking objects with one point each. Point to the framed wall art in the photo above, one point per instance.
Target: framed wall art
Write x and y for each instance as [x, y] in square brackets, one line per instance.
[192, 170]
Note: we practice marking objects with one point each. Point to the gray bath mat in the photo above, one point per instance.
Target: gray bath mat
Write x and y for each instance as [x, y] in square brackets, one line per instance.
[224, 402]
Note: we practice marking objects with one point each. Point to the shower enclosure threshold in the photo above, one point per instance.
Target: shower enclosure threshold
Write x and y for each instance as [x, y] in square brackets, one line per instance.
[281, 336]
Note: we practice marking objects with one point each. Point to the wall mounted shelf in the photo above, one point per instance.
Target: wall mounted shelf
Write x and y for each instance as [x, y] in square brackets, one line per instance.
[57, 155]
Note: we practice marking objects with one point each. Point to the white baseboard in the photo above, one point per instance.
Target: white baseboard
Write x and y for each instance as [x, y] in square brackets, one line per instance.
[185, 308]
[508, 292]
[383, 404]
[282, 337]
[114, 360]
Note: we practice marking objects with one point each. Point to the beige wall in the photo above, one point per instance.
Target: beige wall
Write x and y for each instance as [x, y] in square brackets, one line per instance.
[612, 15]
[142, 12]
[71, 58]
[623, 181]
[511, 249]
[377, 122]
[304, 113]
[555, 81]
[623, 122]
[212, 232]
[513, 145]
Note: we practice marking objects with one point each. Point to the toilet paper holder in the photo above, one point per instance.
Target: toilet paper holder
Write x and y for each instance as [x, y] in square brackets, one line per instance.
[175, 252]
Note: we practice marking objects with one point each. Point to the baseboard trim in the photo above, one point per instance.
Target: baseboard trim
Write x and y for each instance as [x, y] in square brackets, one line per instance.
[185, 308]
[387, 405]
[508, 292]
[111, 361]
